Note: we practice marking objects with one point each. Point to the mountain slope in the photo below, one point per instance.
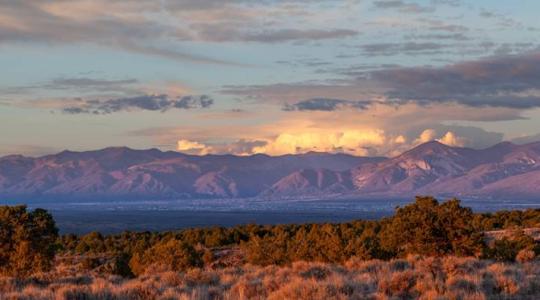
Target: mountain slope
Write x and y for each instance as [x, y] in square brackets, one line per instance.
[309, 182]
[126, 173]
[504, 170]
[434, 168]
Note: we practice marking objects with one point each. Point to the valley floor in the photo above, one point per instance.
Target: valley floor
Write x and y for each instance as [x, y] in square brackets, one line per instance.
[411, 278]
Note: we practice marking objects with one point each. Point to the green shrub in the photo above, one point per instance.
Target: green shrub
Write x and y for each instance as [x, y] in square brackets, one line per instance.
[432, 229]
[171, 255]
[507, 248]
[27, 241]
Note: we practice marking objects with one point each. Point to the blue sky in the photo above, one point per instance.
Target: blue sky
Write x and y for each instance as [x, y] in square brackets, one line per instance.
[243, 77]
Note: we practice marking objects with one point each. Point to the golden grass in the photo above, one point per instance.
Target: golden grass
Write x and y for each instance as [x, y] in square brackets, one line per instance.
[411, 278]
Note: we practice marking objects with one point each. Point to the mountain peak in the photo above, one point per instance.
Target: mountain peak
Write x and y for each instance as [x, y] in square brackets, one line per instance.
[433, 144]
[431, 147]
[504, 144]
[118, 149]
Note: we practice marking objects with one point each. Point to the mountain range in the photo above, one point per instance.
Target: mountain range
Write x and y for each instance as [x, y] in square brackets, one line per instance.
[502, 171]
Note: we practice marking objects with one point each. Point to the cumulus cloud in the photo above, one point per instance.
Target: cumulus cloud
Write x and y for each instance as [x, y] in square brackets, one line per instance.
[356, 142]
[146, 102]
[449, 138]
[240, 147]
[472, 137]
[366, 142]
[381, 132]
[192, 147]
[426, 136]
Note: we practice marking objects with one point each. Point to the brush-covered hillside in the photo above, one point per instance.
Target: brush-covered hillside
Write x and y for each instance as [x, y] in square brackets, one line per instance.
[427, 249]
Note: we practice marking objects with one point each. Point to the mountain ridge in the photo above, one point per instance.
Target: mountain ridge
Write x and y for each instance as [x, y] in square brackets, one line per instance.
[502, 170]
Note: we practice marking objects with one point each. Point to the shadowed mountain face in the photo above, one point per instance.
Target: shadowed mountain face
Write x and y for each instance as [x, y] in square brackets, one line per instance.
[504, 170]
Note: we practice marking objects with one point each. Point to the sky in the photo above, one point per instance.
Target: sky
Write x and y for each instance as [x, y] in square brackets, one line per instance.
[364, 77]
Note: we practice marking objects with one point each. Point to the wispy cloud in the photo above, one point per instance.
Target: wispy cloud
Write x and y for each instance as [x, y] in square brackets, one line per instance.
[125, 27]
[407, 48]
[133, 26]
[403, 6]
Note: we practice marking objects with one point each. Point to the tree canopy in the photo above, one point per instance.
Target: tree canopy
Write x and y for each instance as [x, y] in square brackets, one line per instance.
[27, 240]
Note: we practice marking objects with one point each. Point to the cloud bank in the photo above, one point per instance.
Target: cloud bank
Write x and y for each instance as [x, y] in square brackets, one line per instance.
[509, 81]
[355, 142]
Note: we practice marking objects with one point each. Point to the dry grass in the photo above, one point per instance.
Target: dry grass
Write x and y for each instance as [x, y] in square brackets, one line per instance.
[411, 278]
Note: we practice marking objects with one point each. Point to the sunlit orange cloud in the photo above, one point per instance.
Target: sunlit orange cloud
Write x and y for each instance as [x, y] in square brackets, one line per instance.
[353, 142]
[381, 130]
[360, 143]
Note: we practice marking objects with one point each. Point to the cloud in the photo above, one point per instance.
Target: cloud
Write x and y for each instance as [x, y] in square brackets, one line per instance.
[142, 27]
[236, 31]
[449, 138]
[366, 142]
[456, 136]
[426, 136]
[357, 142]
[458, 36]
[403, 6]
[283, 93]
[189, 102]
[382, 131]
[88, 83]
[284, 35]
[454, 3]
[326, 104]
[146, 102]
[509, 81]
[240, 147]
[506, 81]
[192, 147]
[117, 24]
[351, 141]
[472, 137]
[408, 48]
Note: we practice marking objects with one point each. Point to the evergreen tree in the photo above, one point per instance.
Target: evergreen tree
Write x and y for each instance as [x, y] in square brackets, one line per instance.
[27, 240]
